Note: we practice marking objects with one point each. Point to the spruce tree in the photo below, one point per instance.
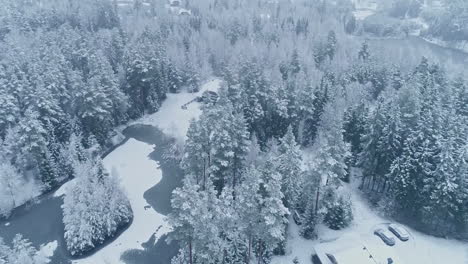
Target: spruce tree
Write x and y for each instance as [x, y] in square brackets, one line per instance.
[289, 166]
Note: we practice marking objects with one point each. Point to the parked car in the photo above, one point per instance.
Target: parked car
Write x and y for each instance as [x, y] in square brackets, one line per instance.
[386, 236]
[399, 232]
[298, 219]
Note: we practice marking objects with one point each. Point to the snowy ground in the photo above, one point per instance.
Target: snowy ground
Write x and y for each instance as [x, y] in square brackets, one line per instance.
[138, 173]
[364, 8]
[420, 249]
[171, 118]
[46, 251]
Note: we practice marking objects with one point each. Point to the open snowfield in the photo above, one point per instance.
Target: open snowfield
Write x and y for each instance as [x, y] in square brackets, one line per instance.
[171, 118]
[420, 249]
[46, 251]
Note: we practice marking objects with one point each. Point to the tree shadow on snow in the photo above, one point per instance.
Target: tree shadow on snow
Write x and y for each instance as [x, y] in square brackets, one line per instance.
[154, 252]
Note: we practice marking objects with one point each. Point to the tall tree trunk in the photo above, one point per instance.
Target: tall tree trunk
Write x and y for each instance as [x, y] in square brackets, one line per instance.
[190, 252]
[384, 187]
[363, 182]
[204, 173]
[249, 250]
[260, 253]
[317, 200]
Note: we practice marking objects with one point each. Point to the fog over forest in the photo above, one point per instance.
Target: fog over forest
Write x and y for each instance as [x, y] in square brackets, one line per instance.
[233, 131]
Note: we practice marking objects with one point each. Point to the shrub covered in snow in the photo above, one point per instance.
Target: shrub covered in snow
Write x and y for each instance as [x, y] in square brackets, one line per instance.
[94, 209]
[339, 214]
[21, 252]
[14, 189]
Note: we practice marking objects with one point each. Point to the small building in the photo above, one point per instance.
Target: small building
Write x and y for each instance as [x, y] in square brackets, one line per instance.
[353, 251]
[185, 12]
[208, 97]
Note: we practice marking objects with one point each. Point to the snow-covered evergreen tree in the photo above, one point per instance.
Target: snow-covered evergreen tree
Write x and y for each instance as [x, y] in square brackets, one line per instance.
[272, 210]
[94, 208]
[14, 189]
[20, 252]
[289, 166]
[339, 214]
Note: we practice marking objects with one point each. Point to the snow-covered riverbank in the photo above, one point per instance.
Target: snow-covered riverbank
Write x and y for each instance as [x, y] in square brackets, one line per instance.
[138, 173]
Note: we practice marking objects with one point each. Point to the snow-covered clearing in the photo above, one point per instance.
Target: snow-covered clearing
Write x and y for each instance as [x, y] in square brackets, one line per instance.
[363, 14]
[46, 251]
[171, 118]
[420, 249]
[364, 8]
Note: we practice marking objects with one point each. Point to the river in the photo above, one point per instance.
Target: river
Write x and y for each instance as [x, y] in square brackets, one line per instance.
[408, 52]
[41, 222]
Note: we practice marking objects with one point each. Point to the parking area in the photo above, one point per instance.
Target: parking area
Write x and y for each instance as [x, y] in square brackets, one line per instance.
[419, 249]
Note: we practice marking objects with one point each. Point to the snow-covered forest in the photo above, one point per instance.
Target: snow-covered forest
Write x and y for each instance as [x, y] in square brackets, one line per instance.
[295, 110]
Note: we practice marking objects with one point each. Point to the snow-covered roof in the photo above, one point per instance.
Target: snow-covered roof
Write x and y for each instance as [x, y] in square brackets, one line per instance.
[184, 11]
[354, 250]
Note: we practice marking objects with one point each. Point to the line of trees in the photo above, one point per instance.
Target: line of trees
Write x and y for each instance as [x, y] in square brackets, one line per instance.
[413, 148]
[71, 68]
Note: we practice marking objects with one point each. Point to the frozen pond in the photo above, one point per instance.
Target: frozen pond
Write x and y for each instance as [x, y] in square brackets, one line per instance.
[412, 48]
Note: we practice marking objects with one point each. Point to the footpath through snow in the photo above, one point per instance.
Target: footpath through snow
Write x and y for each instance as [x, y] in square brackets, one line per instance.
[138, 173]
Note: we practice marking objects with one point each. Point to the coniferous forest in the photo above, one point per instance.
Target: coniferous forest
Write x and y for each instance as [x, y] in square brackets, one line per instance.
[310, 113]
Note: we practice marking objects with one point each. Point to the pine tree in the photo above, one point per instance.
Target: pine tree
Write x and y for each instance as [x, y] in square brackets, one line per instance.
[353, 125]
[11, 185]
[21, 251]
[197, 149]
[289, 166]
[9, 109]
[312, 123]
[331, 44]
[364, 53]
[229, 144]
[333, 150]
[272, 210]
[339, 214]
[100, 102]
[406, 178]
[389, 145]
[249, 199]
[26, 142]
[182, 218]
[195, 222]
[94, 208]
[309, 202]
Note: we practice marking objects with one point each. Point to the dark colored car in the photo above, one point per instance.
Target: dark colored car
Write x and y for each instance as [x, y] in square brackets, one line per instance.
[386, 236]
[399, 232]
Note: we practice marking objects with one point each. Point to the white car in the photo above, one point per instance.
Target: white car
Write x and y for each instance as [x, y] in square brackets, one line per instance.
[399, 232]
[386, 236]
